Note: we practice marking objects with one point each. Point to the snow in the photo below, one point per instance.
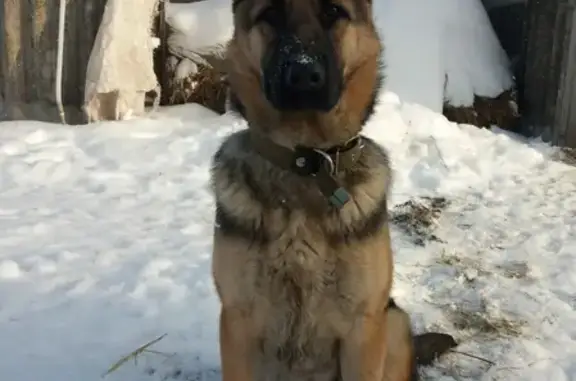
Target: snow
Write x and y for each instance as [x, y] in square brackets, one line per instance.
[453, 54]
[105, 241]
[475, 62]
[184, 68]
[106, 230]
[200, 28]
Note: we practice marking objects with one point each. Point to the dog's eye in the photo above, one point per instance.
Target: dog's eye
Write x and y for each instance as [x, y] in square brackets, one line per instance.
[268, 15]
[333, 13]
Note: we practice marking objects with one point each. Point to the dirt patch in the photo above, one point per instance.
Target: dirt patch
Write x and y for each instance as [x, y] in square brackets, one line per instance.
[419, 218]
[477, 319]
[482, 322]
[566, 156]
[469, 268]
[179, 374]
[501, 111]
[514, 270]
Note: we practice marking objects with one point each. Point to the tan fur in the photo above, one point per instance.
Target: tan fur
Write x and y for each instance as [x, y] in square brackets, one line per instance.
[400, 346]
[359, 50]
[307, 303]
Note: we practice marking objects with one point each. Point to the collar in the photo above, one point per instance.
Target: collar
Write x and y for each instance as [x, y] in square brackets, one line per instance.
[323, 165]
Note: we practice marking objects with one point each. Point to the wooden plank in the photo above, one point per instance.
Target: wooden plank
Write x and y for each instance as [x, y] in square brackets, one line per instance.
[2, 112]
[29, 40]
[566, 113]
[12, 75]
[547, 96]
[540, 24]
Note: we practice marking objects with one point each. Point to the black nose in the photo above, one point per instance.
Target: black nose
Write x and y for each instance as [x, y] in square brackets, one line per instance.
[304, 74]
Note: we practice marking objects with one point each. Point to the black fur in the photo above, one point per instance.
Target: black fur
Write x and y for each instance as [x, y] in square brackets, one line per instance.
[366, 228]
[231, 226]
[233, 160]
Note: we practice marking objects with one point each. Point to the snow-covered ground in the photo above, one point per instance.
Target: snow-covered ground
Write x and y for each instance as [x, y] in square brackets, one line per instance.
[436, 51]
[105, 239]
[105, 230]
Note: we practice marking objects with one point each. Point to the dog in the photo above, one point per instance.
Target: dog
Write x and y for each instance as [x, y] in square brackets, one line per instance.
[302, 261]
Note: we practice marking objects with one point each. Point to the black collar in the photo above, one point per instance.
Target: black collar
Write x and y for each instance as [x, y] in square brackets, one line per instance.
[323, 165]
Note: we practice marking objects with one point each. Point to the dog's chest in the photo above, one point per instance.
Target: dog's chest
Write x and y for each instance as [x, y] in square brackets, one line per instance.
[299, 269]
[305, 288]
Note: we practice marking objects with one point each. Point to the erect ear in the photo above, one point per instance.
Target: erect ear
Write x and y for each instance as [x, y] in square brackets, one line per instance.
[235, 4]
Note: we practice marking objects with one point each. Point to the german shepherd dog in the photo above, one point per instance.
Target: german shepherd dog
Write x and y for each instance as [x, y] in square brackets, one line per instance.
[302, 261]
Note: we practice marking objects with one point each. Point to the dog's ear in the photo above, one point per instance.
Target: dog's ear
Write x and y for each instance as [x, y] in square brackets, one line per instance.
[235, 4]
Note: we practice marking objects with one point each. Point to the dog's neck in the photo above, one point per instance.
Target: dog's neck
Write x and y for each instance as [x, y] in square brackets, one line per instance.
[323, 165]
[310, 130]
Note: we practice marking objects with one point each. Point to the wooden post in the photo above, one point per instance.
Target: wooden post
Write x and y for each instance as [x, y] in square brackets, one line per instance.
[548, 96]
[566, 107]
[28, 50]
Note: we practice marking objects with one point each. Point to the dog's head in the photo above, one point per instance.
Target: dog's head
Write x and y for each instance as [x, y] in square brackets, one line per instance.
[307, 71]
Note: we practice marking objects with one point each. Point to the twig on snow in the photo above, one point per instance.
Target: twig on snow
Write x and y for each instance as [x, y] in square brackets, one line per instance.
[133, 355]
[492, 363]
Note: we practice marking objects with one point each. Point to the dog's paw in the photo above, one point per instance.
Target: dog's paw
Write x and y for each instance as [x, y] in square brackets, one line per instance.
[431, 345]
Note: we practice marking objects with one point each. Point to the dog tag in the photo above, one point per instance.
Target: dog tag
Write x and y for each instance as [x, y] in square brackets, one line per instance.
[339, 198]
[331, 189]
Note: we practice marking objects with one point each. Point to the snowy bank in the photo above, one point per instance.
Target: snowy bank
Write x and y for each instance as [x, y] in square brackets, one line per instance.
[435, 51]
[105, 236]
[199, 29]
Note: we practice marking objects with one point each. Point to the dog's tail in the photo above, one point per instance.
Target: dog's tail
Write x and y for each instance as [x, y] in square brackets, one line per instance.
[426, 347]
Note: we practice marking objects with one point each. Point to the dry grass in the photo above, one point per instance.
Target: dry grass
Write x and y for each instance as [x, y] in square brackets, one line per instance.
[208, 87]
[173, 367]
[483, 323]
[133, 356]
[515, 270]
[471, 267]
[178, 374]
[418, 218]
[467, 267]
[478, 320]
[485, 112]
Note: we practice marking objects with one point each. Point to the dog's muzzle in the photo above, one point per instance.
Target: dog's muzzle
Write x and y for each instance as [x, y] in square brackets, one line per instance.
[297, 78]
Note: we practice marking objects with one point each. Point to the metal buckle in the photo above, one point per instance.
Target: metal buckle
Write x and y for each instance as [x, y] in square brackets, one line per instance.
[327, 160]
[308, 161]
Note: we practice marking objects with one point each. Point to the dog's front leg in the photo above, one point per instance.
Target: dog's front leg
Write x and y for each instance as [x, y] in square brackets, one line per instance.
[380, 348]
[237, 345]
[363, 350]
[400, 357]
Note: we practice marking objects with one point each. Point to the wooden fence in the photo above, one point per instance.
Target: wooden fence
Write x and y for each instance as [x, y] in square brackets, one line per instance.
[28, 50]
[28, 45]
[548, 91]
